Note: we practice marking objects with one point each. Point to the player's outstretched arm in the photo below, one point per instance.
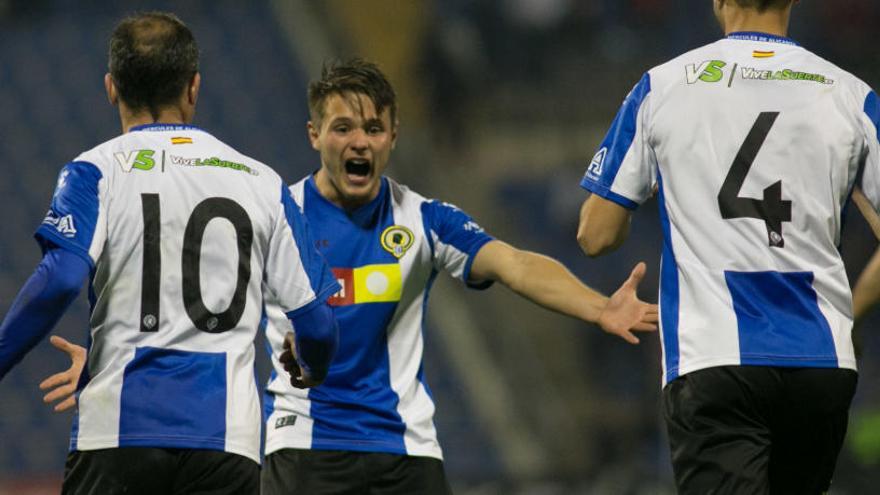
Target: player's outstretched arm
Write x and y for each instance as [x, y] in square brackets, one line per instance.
[604, 225]
[61, 387]
[548, 283]
[39, 305]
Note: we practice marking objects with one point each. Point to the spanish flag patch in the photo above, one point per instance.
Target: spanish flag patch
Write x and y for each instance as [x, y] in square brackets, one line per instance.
[181, 140]
[762, 54]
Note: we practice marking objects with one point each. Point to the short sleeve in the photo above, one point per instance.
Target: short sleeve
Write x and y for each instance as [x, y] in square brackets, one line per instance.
[624, 169]
[296, 272]
[455, 239]
[870, 178]
[73, 219]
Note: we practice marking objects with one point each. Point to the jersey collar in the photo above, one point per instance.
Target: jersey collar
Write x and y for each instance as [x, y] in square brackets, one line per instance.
[164, 127]
[758, 36]
[362, 216]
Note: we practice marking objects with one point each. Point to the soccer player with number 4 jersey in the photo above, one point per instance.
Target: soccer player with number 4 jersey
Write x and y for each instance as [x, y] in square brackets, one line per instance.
[754, 145]
[182, 240]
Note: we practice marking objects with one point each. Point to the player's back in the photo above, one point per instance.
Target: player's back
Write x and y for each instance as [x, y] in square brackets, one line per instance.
[183, 231]
[756, 144]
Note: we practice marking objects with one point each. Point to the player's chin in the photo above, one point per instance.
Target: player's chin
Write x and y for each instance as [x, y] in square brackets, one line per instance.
[361, 190]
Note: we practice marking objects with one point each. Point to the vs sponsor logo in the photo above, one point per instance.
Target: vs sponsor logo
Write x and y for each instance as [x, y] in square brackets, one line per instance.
[710, 71]
[137, 159]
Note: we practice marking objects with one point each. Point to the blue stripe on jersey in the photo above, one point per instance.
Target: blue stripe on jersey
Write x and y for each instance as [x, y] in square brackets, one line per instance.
[356, 408]
[872, 108]
[321, 279]
[779, 320]
[72, 217]
[605, 165]
[173, 398]
[456, 228]
[669, 294]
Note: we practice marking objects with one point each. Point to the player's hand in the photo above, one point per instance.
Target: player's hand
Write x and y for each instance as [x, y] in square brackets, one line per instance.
[625, 313]
[299, 377]
[62, 386]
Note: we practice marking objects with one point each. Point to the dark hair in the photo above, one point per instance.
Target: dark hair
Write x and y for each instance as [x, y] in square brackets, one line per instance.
[153, 56]
[763, 5]
[352, 76]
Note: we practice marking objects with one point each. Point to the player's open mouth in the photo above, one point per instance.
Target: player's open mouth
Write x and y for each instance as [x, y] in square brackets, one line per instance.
[358, 170]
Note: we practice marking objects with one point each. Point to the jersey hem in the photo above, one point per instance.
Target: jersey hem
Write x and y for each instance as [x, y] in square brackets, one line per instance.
[159, 441]
[350, 446]
[606, 193]
[47, 234]
[774, 361]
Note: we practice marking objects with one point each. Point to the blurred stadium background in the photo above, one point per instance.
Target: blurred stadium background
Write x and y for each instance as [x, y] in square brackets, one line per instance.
[503, 103]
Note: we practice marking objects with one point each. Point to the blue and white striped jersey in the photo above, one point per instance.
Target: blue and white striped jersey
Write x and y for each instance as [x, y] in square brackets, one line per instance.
[186, 237]
[755, 145]
[385, 256]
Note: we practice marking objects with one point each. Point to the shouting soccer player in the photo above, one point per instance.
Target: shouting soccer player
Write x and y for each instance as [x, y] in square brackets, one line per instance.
[755, 144]
[369, 427]
[181, 238]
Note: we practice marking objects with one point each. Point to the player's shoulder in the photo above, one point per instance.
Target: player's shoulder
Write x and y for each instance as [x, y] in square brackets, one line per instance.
[404, 197]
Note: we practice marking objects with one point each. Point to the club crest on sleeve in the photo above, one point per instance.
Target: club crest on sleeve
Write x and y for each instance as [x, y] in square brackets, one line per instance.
[594, 171]
[62, 181]
[396, 239]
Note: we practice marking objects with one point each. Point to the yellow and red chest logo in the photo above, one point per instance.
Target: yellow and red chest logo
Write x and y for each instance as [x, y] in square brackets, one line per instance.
[367, 284]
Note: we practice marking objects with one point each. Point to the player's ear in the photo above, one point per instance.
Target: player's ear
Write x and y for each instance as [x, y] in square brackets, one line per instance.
[112, 96]
[394, 129]
[192, 91]
[314, 135]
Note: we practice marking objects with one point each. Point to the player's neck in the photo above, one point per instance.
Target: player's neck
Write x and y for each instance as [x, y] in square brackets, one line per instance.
[773, 22]
[167, 115]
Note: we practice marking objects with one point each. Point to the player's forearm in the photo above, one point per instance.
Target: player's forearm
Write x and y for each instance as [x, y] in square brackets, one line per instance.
[39, 305]
[603, 227]
[548, 283]
[867, 290]
[317, 338]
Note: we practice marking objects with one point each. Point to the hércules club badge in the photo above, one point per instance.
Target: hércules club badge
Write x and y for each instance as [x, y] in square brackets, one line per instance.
[396, 239]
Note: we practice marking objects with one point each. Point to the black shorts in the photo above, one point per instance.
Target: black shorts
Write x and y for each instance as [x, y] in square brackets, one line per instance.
[757, 430]
[331, 472]
[152, 471]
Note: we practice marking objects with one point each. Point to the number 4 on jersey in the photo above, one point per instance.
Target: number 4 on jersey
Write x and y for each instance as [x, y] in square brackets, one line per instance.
[772, 209]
